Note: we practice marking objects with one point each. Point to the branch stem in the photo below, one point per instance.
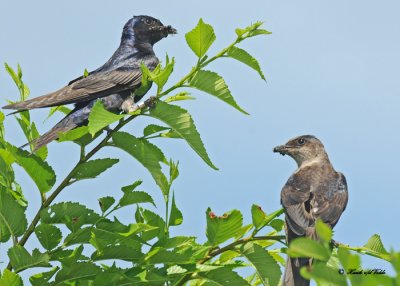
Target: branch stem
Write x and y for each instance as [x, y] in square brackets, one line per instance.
[230, 246]
[68, 179]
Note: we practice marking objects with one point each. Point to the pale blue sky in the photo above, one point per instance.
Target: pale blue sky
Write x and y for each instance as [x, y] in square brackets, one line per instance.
[332, 69]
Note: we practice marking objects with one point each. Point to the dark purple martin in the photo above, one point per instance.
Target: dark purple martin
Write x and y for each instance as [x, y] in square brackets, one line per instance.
[315, 190]
[114, 83]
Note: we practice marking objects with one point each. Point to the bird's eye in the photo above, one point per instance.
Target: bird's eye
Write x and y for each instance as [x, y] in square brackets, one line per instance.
[147, 21]
[301, 141]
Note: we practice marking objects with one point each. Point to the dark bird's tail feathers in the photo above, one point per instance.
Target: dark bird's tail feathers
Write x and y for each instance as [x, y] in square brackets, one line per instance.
[292, 276]
[49, 136]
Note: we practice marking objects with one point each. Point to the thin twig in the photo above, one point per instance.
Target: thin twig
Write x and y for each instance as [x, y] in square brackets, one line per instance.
[230, 247]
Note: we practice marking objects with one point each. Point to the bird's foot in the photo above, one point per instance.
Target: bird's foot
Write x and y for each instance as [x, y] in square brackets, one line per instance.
[129, 105]
[151, 102]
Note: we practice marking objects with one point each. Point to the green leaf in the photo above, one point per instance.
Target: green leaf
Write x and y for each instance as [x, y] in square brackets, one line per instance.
[214, 84]
[180, 96]
[152, 129]
[324, 232]
[108, 234]
[160, 75]
[252, 30]
[77, 271]
[223, 277]
[1, 125]
[222, 228]
[200, 38]
[43, 278]
[348, 260]
[146, 153]
[113, 276]
[242, 232]
[20, 258]
[85, 73]
[173, 170]
[73, 215]
[244, 57]
[105, 203]
[155, 220]
[375, 244]
[13, 75]
[171, 134]
[93, 168]
[267, 268]
[12, 217]
[73, 134]
[277, 224]
[48, 235]
[68, 257]
[100, 118]
[323, 274]
[259, 216]
[177, 242]
[175, 217]
[131, 187]
[80, 236]
[145, 85]
[160, 255]
[274, 215]
[120, 252]
[10, 279]
[138, 215]
[181, 121]
[40, 172]
[227, 256]
[176, 269]
[305, 247]
[136, 197]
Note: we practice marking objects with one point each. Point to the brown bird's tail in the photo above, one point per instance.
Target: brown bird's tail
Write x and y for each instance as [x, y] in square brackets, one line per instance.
[292, 276]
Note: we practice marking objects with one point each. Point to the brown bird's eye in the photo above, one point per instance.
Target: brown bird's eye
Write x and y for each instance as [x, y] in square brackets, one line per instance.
[301, 141]
[147, 21]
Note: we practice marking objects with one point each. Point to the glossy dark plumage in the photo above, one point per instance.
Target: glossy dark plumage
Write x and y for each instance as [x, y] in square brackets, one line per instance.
[112, 83]
[315, 190]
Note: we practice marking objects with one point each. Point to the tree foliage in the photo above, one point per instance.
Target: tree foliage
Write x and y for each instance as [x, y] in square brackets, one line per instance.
[82, 246]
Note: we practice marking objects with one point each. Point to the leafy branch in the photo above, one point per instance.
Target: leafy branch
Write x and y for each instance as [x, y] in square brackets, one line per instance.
[154, 256]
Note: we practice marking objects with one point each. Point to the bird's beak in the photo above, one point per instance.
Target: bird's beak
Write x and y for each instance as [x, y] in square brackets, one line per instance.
[165, 30]
[170, 30]
[281, 149]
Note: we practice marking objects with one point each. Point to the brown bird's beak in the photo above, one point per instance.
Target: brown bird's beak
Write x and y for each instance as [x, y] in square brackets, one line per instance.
[281, 149]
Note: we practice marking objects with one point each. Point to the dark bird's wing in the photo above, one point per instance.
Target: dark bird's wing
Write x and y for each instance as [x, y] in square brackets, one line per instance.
[295, 199]
[94, 86]
[332, 205]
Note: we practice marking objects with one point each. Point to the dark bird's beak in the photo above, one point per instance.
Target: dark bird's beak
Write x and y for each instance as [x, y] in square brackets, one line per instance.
[165, 30]
[281, 149]
[170, 30]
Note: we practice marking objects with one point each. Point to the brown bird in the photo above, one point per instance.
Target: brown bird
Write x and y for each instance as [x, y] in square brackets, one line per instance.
[315, 190]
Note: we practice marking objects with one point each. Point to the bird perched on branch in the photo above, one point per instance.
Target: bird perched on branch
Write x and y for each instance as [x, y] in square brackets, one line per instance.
[314, 191]
[114, 83]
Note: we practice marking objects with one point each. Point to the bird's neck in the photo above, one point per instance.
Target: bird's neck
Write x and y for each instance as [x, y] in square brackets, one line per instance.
[320, 159]
[131, 44]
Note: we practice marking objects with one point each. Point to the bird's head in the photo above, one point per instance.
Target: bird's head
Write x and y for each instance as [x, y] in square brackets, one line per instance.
[303, 149]
[146, 29]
